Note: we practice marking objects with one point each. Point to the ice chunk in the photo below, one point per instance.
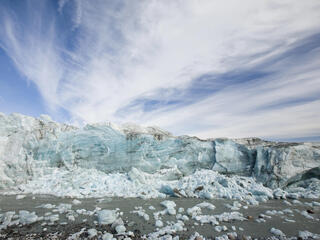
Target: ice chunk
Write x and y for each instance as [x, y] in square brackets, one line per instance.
[289, 220]
[306, 214]
[92, 232]
[316, 204]
[136, 175]
[206, 195]
[194, 211]
[206, 219]
[277, 232]
[196, 236]
[71, 218]
[141, 212]
[235, 206]
[76, 202]
[76, 235]
[229, 216]
[18, 197]
[120, 229]
[279, 194]
[64, 207]
[218, 228]
[48, 205]
[308, 235]
[159, 223]
[206, 205]
[106, 216]
[6, 219]
[26, 217]
[152, 208]
[52, 218]
[107, 236]
[170, 205]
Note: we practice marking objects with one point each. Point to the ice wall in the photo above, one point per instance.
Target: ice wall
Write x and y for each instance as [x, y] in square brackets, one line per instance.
[20, 137]
[109, 150]
[272, 163]
[31, 148]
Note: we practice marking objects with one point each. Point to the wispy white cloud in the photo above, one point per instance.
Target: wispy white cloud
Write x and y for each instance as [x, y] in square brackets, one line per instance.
[33, 51]
[120, 51]
[61, 4]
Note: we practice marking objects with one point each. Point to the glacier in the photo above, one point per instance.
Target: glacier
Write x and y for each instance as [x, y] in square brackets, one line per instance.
[40, 156]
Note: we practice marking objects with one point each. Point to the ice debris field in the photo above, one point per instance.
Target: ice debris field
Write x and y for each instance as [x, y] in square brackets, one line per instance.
[174, 218]
[40, 156]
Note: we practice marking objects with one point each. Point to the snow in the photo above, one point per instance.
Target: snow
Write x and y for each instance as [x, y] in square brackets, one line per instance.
[40, 156]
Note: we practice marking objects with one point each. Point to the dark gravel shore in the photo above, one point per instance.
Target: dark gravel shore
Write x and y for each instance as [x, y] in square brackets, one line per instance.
[255, 225]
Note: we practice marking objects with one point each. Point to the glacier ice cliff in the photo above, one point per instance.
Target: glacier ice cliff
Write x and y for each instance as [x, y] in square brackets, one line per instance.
[40, 155]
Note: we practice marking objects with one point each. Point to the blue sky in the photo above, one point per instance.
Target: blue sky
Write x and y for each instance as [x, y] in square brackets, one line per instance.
[206, 68]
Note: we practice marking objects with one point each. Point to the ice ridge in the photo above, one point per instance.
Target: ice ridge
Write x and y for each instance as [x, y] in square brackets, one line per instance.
[35, 153]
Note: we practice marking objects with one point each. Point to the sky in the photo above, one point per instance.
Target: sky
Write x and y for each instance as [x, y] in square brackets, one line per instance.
[206, 68]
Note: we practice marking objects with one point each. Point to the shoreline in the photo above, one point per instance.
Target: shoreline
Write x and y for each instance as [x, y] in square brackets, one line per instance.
[257, 221]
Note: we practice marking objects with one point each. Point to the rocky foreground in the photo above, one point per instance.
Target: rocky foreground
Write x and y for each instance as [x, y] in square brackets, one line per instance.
[47, 217]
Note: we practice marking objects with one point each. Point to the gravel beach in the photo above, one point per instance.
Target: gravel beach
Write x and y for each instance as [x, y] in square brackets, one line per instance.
[291, 217]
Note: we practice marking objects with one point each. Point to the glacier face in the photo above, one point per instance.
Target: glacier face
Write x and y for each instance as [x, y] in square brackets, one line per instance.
[271, 163]
[19, 138]
[40, 153]
[109, 150]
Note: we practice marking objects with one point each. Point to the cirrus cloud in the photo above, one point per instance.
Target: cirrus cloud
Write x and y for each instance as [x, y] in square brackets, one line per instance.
[235, 69]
